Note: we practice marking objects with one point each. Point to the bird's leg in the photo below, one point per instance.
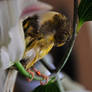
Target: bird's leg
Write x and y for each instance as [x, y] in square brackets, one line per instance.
[29, 70]
[32, 73]
[42, 75]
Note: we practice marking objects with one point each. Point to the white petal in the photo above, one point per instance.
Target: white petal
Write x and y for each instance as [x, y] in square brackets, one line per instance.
[31, 7]
[14, 11]
[4, 59]
[12, 41]
[4, 23]
[2, 79]
[23, 8]
[17, 45]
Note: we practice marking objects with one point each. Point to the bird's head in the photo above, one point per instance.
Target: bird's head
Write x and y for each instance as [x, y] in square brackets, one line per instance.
[50, 23]
[57, 24]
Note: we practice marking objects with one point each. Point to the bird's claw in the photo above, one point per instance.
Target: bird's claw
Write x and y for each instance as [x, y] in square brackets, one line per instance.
[32, 73]
[42, 75]
[39, 74]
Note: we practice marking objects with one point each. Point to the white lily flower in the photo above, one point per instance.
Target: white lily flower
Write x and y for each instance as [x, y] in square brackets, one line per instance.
[12, 43]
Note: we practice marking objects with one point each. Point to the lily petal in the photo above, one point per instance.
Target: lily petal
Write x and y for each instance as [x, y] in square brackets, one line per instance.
[4, 24]
[5, 58]
[32, 7]
[11, 36]
[16, 46]
[23, 8]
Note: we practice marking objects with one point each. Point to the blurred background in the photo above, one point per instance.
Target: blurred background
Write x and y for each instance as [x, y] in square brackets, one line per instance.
[79, 65]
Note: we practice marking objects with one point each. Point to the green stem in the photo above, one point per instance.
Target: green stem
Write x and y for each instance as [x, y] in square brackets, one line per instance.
[22, 70]
[71, 44]
[59, 83]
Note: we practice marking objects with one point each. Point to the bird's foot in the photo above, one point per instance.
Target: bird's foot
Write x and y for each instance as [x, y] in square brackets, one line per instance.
[32, 73]
[41, 75]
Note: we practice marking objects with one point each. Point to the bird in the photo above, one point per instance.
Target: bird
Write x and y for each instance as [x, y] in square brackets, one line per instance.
[42, 33]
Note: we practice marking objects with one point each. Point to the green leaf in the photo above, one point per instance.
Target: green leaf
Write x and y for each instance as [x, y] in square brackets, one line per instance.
[85, 11]
[51, 87]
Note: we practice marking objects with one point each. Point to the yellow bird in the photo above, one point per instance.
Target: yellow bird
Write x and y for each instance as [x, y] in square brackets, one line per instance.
[42, 32]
